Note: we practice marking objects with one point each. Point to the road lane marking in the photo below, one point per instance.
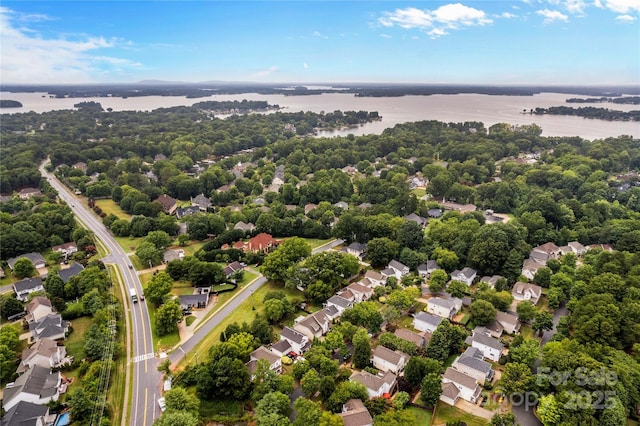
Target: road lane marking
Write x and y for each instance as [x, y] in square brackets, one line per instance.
[143, 357]
[146, 397]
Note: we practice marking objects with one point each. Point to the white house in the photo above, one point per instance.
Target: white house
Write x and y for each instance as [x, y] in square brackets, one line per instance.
[490, 347]
[544, 252]
[26, 414]
[360, 292]
[467, 387]
[387, 360]
[577, 248]
[299, 342]
[66, 249]
[281, 348]
[38, 308]
[45, 353]
[339, 302]
[530, 267]
[37, 385]
[492, 280]
[466, 275]
[509, 322]
[526, 291]
[275, 361]
[399, 270]
[51, 326]
[376, 279]
[472, 364]
[27, 286]
[426, 322]
[314, 325]
[445, 308]
[357, 249]
[377, 385]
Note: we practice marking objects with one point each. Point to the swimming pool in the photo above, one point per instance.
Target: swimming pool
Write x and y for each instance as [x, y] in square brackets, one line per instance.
[63, 420]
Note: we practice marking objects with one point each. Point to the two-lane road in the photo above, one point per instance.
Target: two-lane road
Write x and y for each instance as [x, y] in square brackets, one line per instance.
[146, 377]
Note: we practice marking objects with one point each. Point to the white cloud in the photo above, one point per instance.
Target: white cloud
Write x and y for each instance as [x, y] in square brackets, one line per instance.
[305, 66]
[436, 22]
[507, 15]
[576, 7]
[28, 57]
[622, 6]
[625, 18]
[552, 15]
[265, 72]
[319, 34]
[383, 35]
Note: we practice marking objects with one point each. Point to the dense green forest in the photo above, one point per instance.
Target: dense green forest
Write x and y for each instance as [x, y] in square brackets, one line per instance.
[591, 112]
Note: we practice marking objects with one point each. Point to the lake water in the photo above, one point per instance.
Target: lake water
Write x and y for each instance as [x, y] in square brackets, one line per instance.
[448, 108]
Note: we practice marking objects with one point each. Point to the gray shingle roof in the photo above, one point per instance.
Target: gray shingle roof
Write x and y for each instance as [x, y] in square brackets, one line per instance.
[428, 318]
[71, 271]
[292, 335]
[27, 284]
[24, 414]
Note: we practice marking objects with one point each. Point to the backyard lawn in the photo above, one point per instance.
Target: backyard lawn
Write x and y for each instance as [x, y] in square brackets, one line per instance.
[109, 206]
[423, 416]
[446, 413]
[129, 244]
[75, 341]
[161, 343]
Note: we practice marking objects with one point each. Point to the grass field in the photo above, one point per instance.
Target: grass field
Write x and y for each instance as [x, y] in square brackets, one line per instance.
[419, 192]
[244, 313]
[75, 341]
[161, 343]
[223, 297]
[181, 288]
[314, 242]
[423, 417]
[192, 248]
[109, 206]
[129, 244]
[446, 413]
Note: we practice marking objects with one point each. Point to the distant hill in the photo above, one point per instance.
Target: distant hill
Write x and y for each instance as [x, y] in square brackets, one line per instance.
[7, 103]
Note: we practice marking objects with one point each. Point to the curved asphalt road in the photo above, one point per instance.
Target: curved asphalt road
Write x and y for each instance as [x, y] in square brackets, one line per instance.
[146, 377]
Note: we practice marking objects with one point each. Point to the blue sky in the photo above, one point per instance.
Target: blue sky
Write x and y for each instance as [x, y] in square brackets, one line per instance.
[471, 42]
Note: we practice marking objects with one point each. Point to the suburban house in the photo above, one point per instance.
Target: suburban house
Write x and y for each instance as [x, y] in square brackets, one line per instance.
[275, 361]
[399, 270]
[27, 414]
[169, 204]
[417, 219]
[26, 193]
[490, 347]
[172, 254]
[434, 213]
[45, 353]
[472, 364]
[38, 308]
[27, 286]
[387, 360]
[51, 327]
[281, 348]
[466, 275]
[35, 258]
[339, 302]
[445, 308]
[332, 312]
[492, 280]
[314, 325]
[360, 292]
[577, 248]
[67, 273]
[509, 322]
[203, 203]
[530, 267]
[422, 269]
[377, 385]
[375, 278]
[66, 249]
[466, 387]
[357, 249]
[246, 227]
[354, 413]
[544, 252]
[299, 342]
[410, 336]
[232, 268]
[426, 322]
[426, 269]
[526, 291]
[191, 301]
[345, 293]
[342, 205]
[261, 243]
[308, 207]
[37, 385]
[186, 211]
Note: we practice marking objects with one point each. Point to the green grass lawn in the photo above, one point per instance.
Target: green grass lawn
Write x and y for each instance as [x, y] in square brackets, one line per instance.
[420, 192]
[423, 416]
[315, 242]
[244, 313]
[449, 361]
[75, 341]
[527, 332]
[109, 206]
[446, 413]
[222, 410]
[190, 319]
[192, 248]
[181, 288]
[129, 244]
